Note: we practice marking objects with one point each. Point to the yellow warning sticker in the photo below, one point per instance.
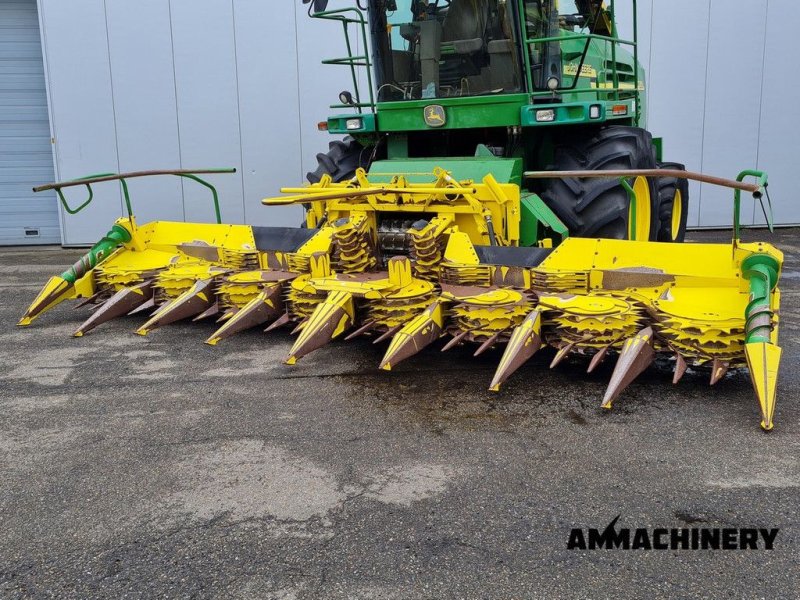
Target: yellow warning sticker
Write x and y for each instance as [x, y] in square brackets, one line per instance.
[586, 70]
[609, 85]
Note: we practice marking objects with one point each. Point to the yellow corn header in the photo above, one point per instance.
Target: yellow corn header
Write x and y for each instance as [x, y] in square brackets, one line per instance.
[413, 262]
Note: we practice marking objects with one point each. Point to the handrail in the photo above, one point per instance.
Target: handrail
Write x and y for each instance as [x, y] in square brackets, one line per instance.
[351, 60]
[754, 189]
[758, 189]
[121, 177]
[579, 36]
[617, 90]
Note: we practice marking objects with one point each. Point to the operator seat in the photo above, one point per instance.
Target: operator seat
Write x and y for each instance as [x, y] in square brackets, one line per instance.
[465, 24]
[463, 39]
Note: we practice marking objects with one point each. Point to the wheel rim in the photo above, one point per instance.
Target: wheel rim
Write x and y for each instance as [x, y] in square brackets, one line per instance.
[639, 211]
[677, 214]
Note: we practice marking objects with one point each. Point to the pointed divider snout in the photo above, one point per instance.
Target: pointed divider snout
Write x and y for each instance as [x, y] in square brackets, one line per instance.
[718, 370]
[331, 318]
[266, 306]
[763, 360]
[196, 299]
[419, 332]
[121, 303]
[54, 291]
[637, 354]
[526, 339]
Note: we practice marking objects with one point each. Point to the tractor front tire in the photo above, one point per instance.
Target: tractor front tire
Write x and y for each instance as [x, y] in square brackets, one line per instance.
[600, 207]
[673, 198]
[340, 161]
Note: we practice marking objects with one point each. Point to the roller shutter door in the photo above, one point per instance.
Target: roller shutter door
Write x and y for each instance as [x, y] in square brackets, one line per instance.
[26, 157]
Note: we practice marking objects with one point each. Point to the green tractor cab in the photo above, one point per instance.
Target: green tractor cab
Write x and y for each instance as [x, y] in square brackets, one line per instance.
[546, 83]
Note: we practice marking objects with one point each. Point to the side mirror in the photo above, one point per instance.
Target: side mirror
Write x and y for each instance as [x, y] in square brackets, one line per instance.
[318, 6]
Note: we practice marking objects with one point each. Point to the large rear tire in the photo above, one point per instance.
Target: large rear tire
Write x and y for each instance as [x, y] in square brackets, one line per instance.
[340, 161]
[599, 207]
[673, 198]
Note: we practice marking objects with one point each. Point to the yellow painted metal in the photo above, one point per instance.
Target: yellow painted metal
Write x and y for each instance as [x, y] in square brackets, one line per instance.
[526, 334]
[431, 320]
[56, 288]
[238, 289]
[168, 235]
[639, 216]
[643, 266]
[262, 297]
[493, 312]
[193, 290]
[677, 214]
[302, 298]
[353, 240]
[763, 361]
[704, 323]
[591, 321]
[338, 306]
[467, 202]
[428, 246]
[588, 296]
[460, 250]
[320, 265]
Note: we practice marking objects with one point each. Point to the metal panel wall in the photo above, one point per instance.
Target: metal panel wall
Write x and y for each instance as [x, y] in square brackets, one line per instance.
[75, 43]
[780, 123]
[208, 102]
[199, 83]
[179, 84]
[719, 92]
[269, 113]
[732, 103]
[145, 109]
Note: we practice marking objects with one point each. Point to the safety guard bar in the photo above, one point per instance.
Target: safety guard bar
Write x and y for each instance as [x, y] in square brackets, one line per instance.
[121, 177]
[758, 189]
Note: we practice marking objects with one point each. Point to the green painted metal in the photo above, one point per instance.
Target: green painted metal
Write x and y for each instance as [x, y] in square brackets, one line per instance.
[597, 69]
[574, 113]
[100, 251]
[601, 54]
[761, 270]
[468, 112]
[73, 211]
[338, 124]
[762, 181]
[347, 17]
[658, 144]
[126, 193]
[214, 194]
[475, 168]
[535, 213]
[632, 207]
[594, 50]
[397, 146]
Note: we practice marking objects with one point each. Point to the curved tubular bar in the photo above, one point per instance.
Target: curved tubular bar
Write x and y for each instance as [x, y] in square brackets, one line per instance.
[739, 185]
[121, 177]
[194, 177]
[88, 188]
[73, 211]
[753, 188]
[762, 184]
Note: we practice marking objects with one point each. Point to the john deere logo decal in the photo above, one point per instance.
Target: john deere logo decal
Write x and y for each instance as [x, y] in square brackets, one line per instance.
[435, 115]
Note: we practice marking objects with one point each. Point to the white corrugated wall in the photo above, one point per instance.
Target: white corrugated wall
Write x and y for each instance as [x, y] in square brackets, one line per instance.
[207, 83]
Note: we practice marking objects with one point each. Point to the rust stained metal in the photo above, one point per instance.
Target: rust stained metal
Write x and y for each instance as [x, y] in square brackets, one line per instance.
[620, 279]
[677, 173]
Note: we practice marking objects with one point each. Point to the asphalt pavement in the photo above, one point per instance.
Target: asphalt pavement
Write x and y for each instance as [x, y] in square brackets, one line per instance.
[158, 466]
